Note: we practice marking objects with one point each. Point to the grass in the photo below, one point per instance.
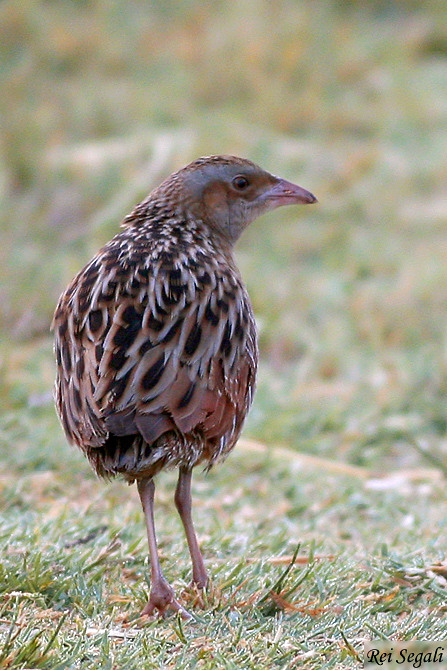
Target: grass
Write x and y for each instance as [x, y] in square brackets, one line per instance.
[76, 556]
[343, 459]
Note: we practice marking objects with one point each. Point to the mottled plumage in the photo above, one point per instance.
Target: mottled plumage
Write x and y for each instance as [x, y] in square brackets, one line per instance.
[155, 338]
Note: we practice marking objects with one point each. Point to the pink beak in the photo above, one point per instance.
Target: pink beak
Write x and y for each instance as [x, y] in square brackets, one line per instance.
[285, 193]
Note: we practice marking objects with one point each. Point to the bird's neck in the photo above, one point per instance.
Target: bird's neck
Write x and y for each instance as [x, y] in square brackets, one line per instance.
[171, 231]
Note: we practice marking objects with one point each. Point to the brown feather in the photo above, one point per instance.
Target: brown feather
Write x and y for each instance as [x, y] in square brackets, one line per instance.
[155, 338]
[147, 351]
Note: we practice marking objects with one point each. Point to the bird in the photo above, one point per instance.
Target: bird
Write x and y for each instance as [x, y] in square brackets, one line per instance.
[156, 341]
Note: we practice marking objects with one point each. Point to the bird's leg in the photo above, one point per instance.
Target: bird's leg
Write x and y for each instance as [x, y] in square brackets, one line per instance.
[162, 596]
[183, 504]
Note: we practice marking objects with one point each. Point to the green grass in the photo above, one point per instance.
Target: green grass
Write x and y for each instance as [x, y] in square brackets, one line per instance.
[344, 453]
[76, 555]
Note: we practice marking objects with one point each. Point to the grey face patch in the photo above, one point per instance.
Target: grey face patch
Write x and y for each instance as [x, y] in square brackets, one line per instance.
[211, 195]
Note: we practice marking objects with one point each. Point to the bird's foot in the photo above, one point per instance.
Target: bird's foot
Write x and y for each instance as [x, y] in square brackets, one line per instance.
[162, 600]
[200, 579]
[200, 584]
[199, 592]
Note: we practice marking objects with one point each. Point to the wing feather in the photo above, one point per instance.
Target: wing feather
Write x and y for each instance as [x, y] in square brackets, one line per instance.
[164, 350]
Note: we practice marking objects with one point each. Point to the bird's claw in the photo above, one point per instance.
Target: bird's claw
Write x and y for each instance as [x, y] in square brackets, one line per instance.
[162, 600]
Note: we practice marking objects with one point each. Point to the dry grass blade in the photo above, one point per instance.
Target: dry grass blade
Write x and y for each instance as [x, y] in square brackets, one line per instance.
[127, 634]
[300, 460]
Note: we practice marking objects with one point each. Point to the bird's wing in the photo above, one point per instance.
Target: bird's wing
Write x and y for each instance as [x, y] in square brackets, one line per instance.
[165, 350]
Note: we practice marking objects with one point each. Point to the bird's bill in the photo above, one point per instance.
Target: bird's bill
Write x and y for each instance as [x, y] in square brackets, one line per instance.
[283, 192]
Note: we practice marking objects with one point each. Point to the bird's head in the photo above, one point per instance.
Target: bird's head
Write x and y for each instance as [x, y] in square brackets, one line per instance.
[228, 193]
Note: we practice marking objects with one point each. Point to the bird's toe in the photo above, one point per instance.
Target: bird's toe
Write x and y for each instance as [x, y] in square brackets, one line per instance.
[162, 600]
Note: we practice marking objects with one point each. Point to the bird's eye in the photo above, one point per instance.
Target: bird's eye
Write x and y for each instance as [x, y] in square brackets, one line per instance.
[240, 183]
